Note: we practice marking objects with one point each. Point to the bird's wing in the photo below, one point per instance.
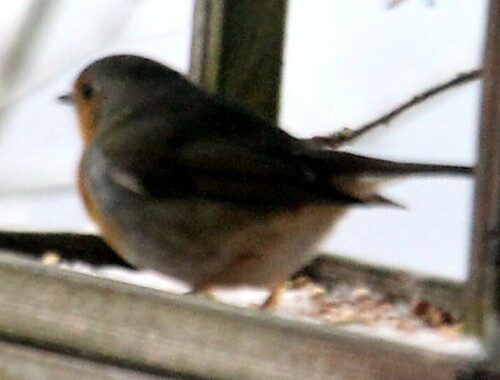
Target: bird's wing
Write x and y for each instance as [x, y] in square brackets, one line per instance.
[215, 170]
[236, 157]
[209, 149]
[243, 161]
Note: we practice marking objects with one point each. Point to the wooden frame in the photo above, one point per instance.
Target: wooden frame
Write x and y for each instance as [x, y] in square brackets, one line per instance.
[144, 329]
[483, 288]
[68, 324]
[237, 51]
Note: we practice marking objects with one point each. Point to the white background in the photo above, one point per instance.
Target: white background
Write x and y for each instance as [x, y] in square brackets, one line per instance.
[346, 62]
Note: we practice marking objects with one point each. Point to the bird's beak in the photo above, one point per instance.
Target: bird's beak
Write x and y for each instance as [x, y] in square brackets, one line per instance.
[66, 98]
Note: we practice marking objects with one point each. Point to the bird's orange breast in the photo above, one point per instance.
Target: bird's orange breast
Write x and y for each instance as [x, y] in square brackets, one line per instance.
[107, 232]
[85, 196]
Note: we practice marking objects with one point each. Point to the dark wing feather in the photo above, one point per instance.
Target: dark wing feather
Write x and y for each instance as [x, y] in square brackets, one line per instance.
[228, 155]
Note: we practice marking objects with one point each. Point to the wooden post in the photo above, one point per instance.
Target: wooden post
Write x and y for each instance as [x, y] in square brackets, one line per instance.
[237, 51]
[483, 288]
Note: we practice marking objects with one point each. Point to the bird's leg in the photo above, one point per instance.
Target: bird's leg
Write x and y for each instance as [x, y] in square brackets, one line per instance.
[276, 292]
[218, 277]
[204, 289]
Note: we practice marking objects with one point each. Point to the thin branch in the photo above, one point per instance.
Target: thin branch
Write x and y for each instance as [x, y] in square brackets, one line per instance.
[349, 134]
[396, 3]
[35, 191]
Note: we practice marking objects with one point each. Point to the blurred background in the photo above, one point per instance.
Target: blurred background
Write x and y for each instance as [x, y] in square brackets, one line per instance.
[346, 62]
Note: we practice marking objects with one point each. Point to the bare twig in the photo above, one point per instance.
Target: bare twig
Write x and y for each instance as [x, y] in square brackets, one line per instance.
[395, 3]
[349, 134]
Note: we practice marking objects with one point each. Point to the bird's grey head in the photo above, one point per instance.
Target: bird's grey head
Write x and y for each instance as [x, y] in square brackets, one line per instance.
[115, 86]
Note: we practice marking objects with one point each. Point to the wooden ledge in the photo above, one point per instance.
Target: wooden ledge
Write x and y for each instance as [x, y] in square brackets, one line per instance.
[155, 332]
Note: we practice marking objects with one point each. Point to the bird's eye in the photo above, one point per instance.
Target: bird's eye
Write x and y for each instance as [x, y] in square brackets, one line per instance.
[86, 90]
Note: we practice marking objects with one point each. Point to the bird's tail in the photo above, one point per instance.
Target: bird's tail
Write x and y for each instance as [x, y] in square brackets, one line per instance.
[343, 163]
[360, 177]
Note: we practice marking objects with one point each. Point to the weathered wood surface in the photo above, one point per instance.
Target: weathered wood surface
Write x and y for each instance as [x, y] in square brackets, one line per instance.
[237, 51]
[483, 288]
[21, 362]
[154, 331]
[329, 270]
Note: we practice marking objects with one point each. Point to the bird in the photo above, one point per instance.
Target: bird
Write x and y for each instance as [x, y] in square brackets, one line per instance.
[191, 185]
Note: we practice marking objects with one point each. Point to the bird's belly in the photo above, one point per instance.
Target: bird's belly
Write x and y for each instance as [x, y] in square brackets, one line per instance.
[203, 241]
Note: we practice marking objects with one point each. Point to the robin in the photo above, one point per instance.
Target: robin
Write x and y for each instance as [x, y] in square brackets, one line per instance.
[185, 183]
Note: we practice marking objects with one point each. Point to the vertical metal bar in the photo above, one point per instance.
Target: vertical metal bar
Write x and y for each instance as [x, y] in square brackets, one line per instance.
[237, 51]
[483, 288]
